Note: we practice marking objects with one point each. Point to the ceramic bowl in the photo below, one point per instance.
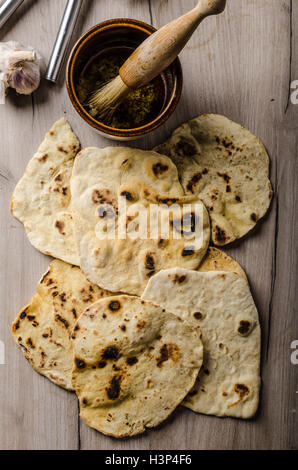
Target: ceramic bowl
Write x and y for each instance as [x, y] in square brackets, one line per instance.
[120, 33]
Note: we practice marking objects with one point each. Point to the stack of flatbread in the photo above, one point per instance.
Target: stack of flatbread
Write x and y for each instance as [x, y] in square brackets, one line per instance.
[137, 325]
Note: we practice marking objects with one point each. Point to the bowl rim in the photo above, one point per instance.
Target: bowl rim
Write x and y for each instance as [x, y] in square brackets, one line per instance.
[138, 131]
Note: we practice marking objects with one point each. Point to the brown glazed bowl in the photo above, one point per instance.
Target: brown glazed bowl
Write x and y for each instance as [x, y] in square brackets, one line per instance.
[122, 32]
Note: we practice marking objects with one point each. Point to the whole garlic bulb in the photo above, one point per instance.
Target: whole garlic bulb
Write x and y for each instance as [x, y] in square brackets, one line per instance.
[25, 79]
[19, 69]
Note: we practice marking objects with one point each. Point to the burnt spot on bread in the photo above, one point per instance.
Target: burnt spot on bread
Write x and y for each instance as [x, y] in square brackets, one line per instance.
[59, 318]
[220, 235]
[161, 243]
[166, 200]
[113, 391]
[23, 315]
[63, 297]
[61, 149]
[43, 158]
[225, 142]
[179, 279]
[59, 224]
[150, 273]
[198, 315]
[224, 176]
[101, 196]
[64, 190]
[123, 327]
[31, 317]
[29, 343]
[141, 324]
[244, 327]
[184, 147]
[80, 363]
[254, 217]
[188, 251]
[242, 390]
[114, 305]
[193, 182]
[205, 171]
[190, 221]
[86, 295]
[106, 212]
[159, 168]
[149, 262]
[58, 177]
[74, 312]
[16, 325]
[167, 351]
[238, 198]
[84, 401]
[131, 360]
[111, 352]
[101, 364]
[228, 188]
[128, 196]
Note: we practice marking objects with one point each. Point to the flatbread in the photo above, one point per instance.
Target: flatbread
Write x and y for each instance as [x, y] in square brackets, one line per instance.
[221, 304]
[134, 363]
[102, 180]
[41, 199]
[217, 260]
[227, 167]
[42, 329]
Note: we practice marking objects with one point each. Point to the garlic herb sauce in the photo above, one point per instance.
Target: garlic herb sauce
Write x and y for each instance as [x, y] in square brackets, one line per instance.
[140, 107]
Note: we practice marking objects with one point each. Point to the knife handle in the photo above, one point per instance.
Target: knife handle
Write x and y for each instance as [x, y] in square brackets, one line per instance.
[7, 9]
[66, 28]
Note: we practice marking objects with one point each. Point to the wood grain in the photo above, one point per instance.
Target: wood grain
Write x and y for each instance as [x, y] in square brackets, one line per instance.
[239, 64]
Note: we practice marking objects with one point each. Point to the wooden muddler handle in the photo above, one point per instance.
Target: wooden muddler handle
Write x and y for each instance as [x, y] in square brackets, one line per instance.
[161, 48]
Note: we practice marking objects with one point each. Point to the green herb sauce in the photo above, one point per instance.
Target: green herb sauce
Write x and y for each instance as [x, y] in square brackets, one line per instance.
[140, 107]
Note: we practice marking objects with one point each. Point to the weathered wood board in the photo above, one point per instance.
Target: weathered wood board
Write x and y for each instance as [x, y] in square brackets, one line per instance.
[240, 64]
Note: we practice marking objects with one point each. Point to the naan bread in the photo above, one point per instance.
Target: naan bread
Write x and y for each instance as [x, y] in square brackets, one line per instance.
[134, 363]
[43, 328]
[217, 260]
[41, 199]
[227, 167]
[221, 304]
[139, 179]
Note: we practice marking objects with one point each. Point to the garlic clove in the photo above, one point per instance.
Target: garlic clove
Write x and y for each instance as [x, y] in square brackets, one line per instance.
[25, 79]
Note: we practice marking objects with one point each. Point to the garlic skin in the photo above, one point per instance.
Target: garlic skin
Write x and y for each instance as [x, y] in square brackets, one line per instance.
[19, 69]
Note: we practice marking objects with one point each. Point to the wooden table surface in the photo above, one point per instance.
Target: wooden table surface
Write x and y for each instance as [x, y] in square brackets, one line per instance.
[240, 64]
